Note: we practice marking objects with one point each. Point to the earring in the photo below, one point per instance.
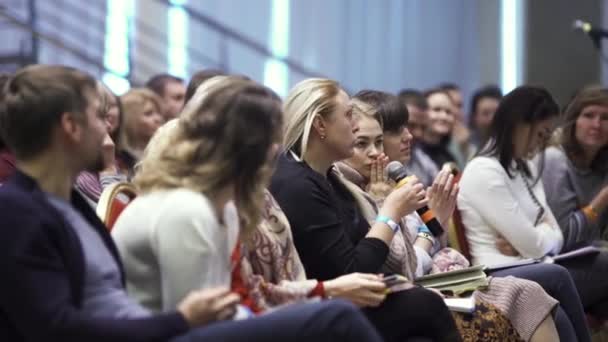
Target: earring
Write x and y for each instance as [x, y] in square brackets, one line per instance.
[322, 137]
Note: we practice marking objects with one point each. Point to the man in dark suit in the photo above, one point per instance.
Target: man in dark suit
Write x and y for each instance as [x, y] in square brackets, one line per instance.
[62, 278]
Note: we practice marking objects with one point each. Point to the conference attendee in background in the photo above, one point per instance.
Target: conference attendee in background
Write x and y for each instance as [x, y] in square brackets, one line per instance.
[198, 78]
[503, 204]
[142, 111]
[455, 95]
[330, 233]
[420, 163]
[114, 115]
[61, 244]
[91, 184]
[575, 175]
[438, 135]
[171, 90]
[7, 159]
[483, 106]
[418, 253]
[460, 143]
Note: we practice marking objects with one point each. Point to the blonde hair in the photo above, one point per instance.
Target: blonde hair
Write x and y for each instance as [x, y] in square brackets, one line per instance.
[222, 137]
[306, 100]
[133, 102]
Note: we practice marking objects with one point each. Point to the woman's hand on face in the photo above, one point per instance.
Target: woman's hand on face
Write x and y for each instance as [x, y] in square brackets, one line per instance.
[364, 290]
[379, 185]
[442, 196]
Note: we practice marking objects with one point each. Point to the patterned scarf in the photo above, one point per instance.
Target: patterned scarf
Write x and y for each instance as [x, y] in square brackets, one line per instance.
[402, 256]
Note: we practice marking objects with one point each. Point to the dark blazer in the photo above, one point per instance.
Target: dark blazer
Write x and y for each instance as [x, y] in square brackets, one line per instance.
[42, 269]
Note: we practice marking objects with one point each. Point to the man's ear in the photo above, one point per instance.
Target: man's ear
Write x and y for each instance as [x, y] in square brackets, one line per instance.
[71, 126]
[319, 125]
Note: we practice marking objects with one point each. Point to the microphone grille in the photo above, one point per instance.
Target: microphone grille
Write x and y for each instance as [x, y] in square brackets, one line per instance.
[394, 169]
[581, 25]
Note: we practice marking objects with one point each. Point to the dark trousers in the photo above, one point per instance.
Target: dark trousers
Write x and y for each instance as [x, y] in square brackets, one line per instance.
[326, 321]
[412, 314]
[590, 275]
[556, 280]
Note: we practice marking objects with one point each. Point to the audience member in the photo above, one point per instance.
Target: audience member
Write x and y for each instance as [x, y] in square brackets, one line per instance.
[142, 110]
[438, 135]
[459, 144]
[420, 163]
[171, 90]
[483, 106]
[91, 184]
[503, 203]
[575, 176]
[455, 95]
[199, 78]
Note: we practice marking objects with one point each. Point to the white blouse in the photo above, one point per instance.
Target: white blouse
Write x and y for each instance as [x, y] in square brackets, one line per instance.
[492, 204]
[171, 243]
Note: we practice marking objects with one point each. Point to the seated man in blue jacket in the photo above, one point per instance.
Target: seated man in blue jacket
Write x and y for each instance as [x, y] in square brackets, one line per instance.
[62, 278]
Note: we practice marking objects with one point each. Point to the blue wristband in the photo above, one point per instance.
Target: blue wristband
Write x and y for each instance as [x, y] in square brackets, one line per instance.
[424, 229]
[389, 222]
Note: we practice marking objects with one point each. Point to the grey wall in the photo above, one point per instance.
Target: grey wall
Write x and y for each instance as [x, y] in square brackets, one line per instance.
[384, 44]
[558, 57]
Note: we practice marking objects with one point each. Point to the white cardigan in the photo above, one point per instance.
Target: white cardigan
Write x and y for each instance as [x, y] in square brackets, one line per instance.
[493, 204]
[171, 243]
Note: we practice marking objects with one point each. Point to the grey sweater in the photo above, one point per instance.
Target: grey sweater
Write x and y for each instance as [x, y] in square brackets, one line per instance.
[568, 189]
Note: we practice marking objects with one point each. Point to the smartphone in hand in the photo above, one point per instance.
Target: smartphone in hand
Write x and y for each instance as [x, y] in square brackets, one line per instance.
[397, 282]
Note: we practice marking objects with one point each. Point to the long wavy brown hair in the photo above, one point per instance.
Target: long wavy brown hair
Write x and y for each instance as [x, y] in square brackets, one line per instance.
[223, 137]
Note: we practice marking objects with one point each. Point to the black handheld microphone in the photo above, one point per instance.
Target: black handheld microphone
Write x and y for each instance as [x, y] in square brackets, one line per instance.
[397, 172]
[596, 34]
[589, 29]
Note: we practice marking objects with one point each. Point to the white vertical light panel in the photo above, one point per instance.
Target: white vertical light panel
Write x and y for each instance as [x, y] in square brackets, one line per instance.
[276, 72]
[177, 34]
[116, 57]
[512, 43]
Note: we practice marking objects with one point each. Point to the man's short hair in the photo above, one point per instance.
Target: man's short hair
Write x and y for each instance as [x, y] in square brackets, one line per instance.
[199, 78]
[413, 98]
[157, 83]
[33, 102]
[448, 86]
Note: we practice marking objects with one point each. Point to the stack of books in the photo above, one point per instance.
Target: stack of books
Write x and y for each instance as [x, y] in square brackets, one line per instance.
[457, 286]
